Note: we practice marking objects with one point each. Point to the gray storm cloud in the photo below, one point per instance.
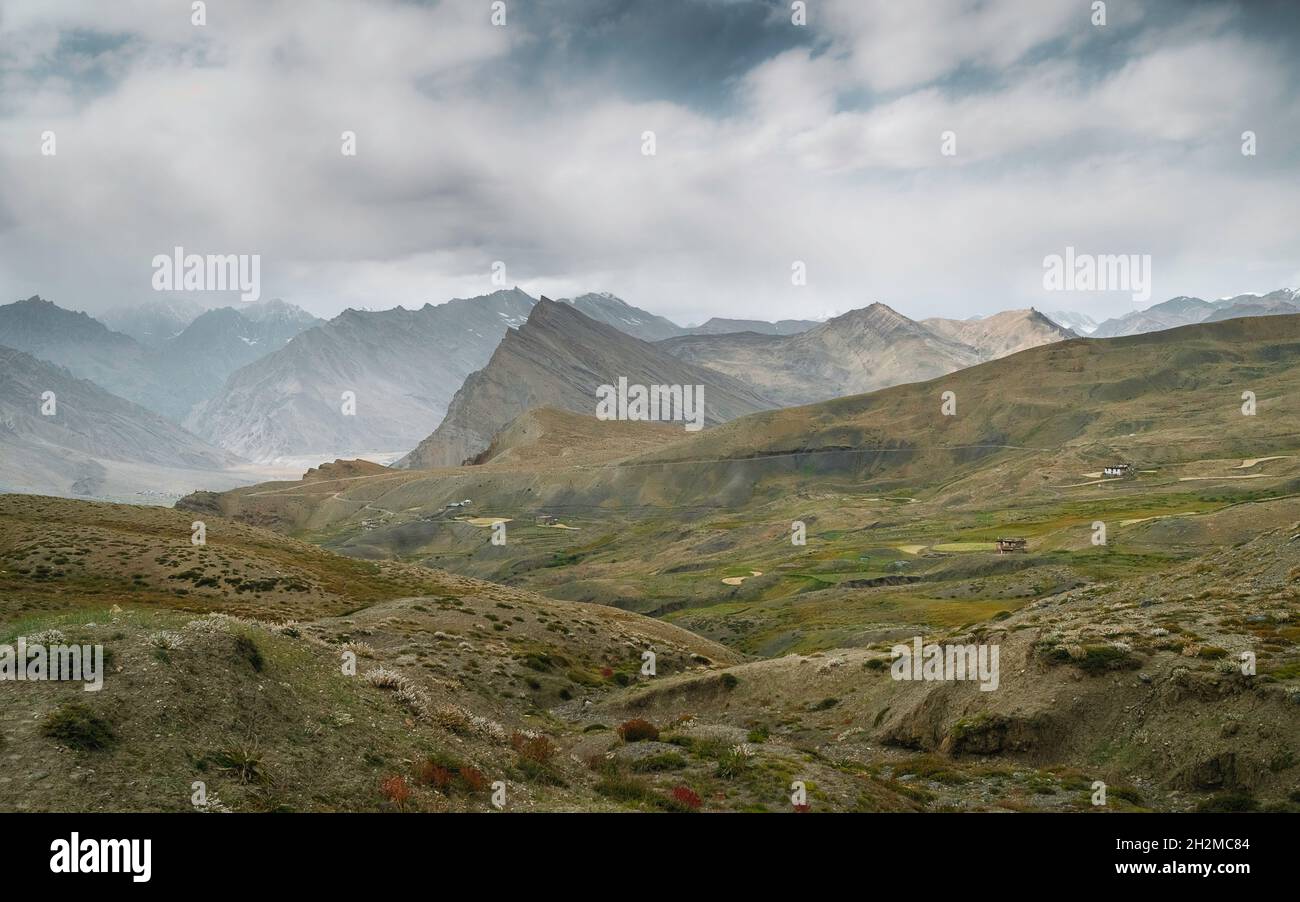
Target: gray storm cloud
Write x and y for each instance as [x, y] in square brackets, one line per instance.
[523, 144]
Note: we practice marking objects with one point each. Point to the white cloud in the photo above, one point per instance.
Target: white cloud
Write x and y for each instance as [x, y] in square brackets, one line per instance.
[228, 141]
[893, 46]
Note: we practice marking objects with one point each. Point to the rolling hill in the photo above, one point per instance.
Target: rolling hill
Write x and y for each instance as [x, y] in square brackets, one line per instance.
[545, 436]
[1164, 393]
[225, 668]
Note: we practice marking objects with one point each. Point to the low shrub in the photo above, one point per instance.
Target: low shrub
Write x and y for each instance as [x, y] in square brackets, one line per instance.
[431, 773]
[243, 759]
[686, 797]
[538, 749]
[473, 779]
[395, 789]
[638, 730]
[734, 761]
[77, 726]
[1229, 802]
[247, 649]
[631, 790]
[666, 761]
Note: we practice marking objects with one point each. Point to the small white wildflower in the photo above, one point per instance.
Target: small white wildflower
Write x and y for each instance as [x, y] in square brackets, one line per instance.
[213, 805]
[47, 637]
[383, 678]
[414, 698]
[166, 639]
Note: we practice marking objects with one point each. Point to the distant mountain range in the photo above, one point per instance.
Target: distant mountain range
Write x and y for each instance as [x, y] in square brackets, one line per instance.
[1072, 405]
[1160, 381]
[196, 363]
[92, 440]
[267, 382]
[863, 350]
[1185, 311]
[721, 325]
[607, 309]
[558, 358]
[167, 376]
[1275, 303]
[84, 345]
[1078, 323]
[153, 321]
[402, 366]
[603, 307]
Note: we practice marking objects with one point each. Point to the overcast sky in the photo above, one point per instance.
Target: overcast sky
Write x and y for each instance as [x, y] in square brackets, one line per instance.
[774, 143]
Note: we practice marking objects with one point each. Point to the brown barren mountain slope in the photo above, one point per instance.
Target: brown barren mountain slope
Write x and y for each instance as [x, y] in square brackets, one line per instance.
[1002, 333]
[1168, 394]
[546, 437]
[400, 367]
[861, 351]
[559, 358]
